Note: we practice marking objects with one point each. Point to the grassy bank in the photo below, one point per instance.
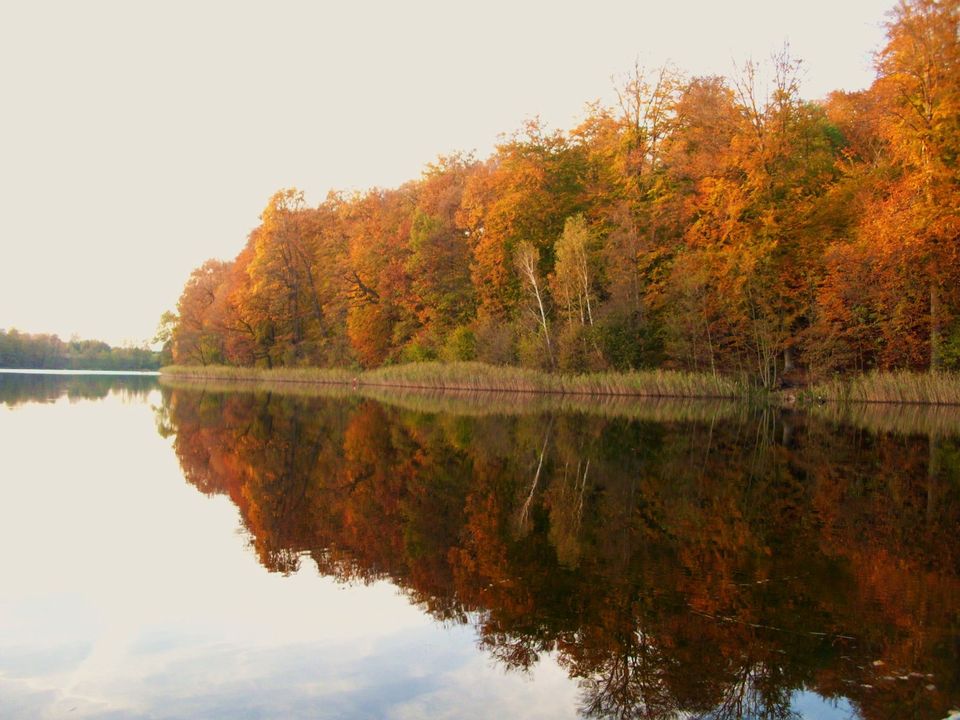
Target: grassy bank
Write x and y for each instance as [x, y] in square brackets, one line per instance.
[901, 387]
[478, 377]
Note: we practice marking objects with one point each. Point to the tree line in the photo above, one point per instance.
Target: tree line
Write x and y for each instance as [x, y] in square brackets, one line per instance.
[716, 224]
[49, 352]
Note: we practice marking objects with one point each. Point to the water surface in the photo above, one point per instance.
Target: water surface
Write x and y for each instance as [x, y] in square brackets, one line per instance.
[192, 552]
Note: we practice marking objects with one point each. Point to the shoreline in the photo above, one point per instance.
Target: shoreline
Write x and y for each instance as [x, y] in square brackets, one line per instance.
[890, 388]
[480, 378]
[446, 388]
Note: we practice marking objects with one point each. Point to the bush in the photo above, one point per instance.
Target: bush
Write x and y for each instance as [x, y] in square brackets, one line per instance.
[417, 352]
[532, 352]
[461, 344]
[627, 343]
[573, 349]
[496, 342]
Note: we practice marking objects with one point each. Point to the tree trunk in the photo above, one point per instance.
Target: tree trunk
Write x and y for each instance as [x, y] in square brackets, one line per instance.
[543, 318]
[936, 355]
[788, 360]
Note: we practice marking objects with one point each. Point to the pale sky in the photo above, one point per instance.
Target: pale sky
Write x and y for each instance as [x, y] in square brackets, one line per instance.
[139, 139]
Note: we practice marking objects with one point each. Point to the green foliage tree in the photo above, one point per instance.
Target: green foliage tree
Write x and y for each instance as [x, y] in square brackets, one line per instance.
[48, 352]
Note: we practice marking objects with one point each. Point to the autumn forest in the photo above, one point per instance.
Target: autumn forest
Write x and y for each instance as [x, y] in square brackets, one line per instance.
[724, 225]
[654, 415]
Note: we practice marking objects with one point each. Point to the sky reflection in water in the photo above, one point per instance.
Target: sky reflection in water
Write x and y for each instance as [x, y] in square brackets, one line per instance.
[128, 594]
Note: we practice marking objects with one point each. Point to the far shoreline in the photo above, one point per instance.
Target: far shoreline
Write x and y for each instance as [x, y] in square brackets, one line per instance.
[69, 371]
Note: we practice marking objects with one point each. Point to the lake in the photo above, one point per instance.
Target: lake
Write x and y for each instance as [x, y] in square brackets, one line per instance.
[194, 551]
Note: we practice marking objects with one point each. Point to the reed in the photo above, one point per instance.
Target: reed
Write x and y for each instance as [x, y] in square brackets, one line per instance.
[479, 377]
[902, 386]
[324, 376]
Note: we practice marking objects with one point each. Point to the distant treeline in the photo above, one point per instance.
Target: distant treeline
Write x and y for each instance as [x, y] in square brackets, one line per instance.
[49, 352]
[714, 224]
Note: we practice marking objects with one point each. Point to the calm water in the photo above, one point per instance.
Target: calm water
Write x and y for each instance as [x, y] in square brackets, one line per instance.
[196, 553]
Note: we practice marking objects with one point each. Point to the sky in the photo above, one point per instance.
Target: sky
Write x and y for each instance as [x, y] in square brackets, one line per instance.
[139, 139]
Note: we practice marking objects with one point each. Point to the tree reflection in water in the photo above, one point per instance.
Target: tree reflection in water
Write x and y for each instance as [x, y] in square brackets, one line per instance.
[17, 388]
[710, 566]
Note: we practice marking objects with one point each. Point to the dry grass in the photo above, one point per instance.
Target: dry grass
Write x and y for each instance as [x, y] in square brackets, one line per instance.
[478, 377]
[229, 373]
[901, 387]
